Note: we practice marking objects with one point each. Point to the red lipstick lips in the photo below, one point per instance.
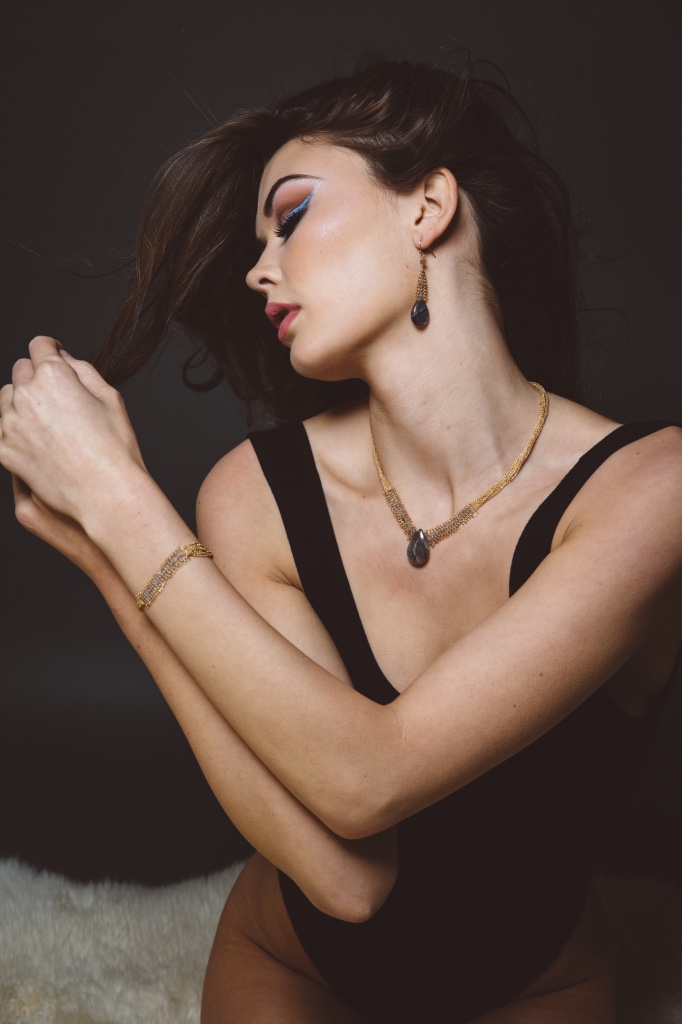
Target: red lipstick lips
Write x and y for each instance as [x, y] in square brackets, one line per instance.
[280, 315]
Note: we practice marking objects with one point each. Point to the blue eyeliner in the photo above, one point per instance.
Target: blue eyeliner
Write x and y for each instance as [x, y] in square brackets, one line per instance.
[281, 229]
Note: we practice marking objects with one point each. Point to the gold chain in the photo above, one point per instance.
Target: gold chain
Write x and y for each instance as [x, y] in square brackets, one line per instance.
[421, 540]
[155, 585]
[422, 293]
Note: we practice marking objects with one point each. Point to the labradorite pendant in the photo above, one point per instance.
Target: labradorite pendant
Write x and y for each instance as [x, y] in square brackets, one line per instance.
[418, 549]
[420, 313]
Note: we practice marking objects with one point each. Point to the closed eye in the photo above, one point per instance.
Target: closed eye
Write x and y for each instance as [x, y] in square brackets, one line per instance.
[284, 229]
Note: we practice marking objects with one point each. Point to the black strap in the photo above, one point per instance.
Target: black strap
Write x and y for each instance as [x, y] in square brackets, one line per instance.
[288, 464]
[535, 543]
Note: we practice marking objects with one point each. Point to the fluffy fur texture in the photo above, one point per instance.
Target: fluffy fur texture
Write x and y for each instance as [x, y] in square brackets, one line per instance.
[104, 953]
[107, 953]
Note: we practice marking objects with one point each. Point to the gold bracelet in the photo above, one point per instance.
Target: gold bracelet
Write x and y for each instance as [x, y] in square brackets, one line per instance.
[160, 578]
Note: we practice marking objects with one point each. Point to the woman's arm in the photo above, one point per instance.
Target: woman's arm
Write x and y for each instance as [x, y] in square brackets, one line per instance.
[362, 767]
[348, 879]
[358, 766]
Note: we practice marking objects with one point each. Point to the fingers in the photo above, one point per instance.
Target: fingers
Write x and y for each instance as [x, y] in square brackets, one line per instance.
[88, 376]
[19, 489]
[22, 372]
[42, 349]
[26, 503]
[6, 394]
[23, 501]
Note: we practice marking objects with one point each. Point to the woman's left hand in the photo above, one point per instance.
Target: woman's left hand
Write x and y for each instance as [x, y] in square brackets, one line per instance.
[63, 430]
[59, 531]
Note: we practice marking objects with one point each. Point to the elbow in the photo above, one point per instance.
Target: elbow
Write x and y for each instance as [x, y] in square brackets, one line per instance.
[353, 909]
[362, 908]
[368, 815]
[361, 826]
[356, 900]
[357, 878]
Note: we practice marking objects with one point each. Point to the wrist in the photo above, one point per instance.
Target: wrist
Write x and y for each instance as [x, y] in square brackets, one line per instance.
[117, 494]
[129, 506]
[135, 527]
[98, 569]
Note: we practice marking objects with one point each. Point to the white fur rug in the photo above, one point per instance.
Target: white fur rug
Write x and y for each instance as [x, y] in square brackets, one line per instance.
[104, 953]
[107, 953]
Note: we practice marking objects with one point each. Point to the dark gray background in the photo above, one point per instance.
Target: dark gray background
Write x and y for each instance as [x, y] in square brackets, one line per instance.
[96, 777]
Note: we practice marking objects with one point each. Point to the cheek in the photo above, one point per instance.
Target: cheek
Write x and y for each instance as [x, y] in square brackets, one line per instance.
[356, 265]
[351, 297]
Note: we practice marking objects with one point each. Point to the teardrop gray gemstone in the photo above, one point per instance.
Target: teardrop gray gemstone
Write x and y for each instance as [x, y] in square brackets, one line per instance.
[420, 313]
[418, 549]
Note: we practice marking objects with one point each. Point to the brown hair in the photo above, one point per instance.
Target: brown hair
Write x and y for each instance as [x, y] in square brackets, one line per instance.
[196, 240]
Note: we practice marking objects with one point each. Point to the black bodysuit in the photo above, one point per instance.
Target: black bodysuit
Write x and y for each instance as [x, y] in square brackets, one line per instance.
[493, 878]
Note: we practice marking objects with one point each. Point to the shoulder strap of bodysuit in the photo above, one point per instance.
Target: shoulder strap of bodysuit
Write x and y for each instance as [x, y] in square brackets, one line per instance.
[535, 543]
[288, 465]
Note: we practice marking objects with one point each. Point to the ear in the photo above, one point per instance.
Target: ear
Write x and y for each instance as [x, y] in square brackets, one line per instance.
[436, 203]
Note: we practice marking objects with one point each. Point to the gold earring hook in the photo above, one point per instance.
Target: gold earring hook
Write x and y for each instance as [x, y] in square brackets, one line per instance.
[421, 251]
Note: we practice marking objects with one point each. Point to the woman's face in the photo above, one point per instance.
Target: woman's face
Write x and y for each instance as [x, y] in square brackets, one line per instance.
[339, 264]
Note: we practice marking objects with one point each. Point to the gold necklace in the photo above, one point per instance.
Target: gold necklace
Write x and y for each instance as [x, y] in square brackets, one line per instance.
[421, 540]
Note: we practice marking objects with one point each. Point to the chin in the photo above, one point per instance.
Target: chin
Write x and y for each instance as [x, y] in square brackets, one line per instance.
[320, 361]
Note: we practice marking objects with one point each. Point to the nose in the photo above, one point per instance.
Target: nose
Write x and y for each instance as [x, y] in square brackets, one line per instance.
[263, 274]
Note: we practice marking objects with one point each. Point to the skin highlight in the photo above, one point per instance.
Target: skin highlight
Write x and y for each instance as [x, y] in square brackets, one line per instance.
[446, 426]
[356, 249]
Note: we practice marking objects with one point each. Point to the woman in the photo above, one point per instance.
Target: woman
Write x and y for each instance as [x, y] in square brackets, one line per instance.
[424, 845]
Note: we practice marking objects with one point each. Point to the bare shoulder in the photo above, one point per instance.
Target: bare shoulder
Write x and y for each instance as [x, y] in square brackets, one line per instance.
[627, 517]
[238, 518]
[642, 477]
[659, 457]
[658, 451]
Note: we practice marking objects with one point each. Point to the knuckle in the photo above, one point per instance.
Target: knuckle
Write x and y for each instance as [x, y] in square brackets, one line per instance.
[110, 395]
[50, 369]
[23, 511]
[19, 393]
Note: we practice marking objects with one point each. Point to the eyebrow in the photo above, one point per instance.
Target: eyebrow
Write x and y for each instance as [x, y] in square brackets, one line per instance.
[267, 206]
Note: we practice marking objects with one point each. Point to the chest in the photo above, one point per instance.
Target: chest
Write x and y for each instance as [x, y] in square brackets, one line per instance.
[411, 615]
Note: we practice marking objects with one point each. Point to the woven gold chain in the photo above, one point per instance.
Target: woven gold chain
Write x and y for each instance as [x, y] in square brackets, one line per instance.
[155, 585]
[450, 526]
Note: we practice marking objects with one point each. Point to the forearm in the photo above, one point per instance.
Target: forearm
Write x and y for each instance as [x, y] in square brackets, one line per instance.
[345, 878]
[319, 737]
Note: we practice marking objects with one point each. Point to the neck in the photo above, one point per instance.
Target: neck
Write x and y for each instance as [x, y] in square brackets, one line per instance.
[448, 425]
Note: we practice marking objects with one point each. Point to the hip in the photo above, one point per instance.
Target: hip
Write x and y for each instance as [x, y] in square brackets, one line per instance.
[256, 910]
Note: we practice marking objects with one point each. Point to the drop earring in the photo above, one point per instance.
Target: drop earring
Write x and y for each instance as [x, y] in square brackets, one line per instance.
[420, 311]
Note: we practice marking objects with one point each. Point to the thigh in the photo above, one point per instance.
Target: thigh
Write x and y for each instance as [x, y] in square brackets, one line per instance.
[257, 972]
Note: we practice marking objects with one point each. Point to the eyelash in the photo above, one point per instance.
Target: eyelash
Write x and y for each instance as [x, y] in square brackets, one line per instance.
[284, 229]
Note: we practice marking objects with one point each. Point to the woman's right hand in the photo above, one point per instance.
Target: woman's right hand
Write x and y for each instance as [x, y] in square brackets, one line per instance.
[59, 531]
[66, 432]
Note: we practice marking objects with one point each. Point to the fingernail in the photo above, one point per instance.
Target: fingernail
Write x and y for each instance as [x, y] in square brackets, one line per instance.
[63, 352]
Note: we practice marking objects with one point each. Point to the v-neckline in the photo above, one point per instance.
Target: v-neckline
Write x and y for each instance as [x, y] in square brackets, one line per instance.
[359, 628]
